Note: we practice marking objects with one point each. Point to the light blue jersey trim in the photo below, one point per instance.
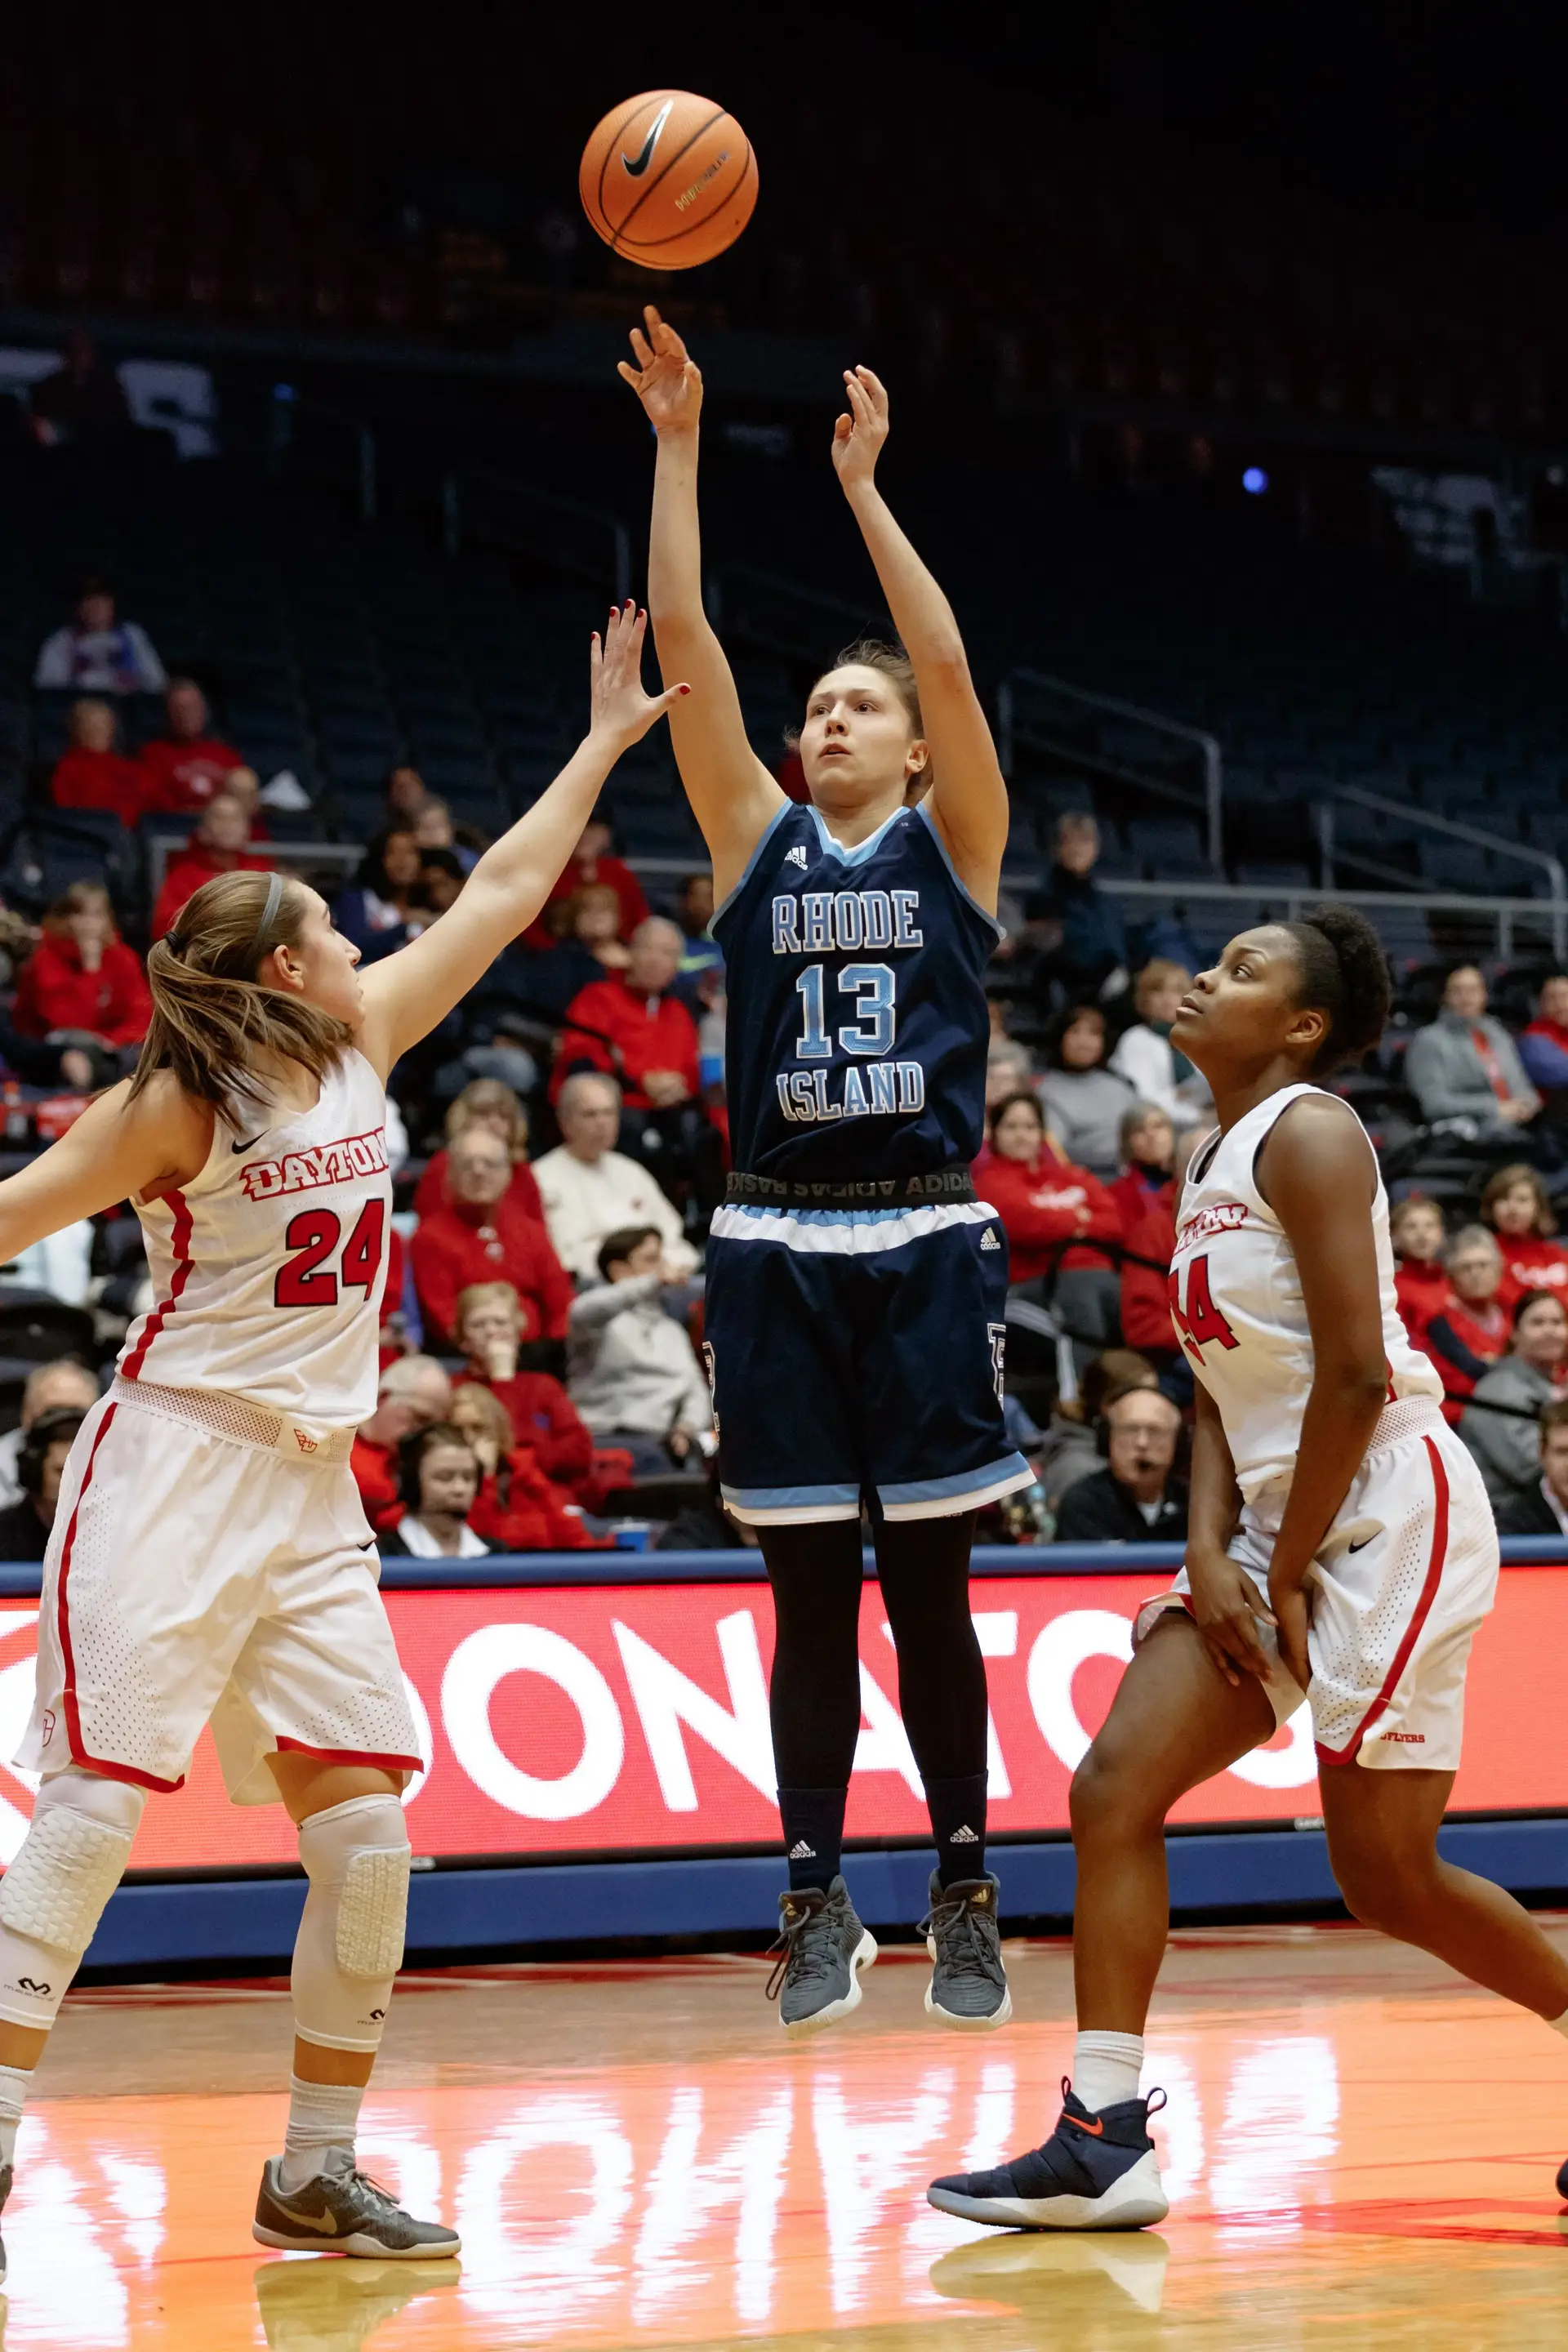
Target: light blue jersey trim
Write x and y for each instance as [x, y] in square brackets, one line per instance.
[862, 849]
[785, 1498]
[1012, 1469]
[959, 884]
[763, 838]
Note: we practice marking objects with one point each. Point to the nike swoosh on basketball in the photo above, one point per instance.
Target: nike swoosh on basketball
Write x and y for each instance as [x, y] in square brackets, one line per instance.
[634, 170]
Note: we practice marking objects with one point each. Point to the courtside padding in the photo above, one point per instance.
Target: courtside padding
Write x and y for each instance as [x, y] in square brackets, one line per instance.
[150, 1926]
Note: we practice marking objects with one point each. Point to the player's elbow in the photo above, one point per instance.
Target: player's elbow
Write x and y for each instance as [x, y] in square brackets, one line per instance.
[1359, 1382]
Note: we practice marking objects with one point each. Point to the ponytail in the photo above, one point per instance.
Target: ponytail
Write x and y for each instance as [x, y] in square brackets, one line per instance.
[212, 1018]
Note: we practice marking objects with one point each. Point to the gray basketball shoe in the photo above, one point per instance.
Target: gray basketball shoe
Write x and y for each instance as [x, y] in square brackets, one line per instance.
[968, 1985]
[341, 2211]
[822, 1949]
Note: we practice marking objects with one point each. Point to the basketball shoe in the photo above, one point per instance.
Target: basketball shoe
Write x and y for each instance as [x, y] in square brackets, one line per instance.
[341, 2211]
[339, 2306]
[1095, 2172]
[822, 1949]
[968, 1984]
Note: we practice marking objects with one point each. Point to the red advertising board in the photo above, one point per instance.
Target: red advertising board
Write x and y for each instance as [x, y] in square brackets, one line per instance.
[633, 1718]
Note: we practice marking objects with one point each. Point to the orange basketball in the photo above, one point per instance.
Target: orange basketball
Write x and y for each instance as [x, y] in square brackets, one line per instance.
[668, 179]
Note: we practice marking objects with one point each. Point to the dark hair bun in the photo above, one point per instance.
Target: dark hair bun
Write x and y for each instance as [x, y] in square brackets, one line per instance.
[1345, 971]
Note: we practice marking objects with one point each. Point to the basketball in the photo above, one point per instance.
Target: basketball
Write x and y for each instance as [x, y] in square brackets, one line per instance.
[668, 179]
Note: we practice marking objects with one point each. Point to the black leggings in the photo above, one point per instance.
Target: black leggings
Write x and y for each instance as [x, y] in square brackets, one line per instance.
[815, 1699]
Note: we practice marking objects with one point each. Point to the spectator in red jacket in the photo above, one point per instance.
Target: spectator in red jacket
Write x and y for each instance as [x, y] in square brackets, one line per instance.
[82, 985]
[91, 773]
[412, 1395]
[478, 1235]
[185, 766]
[1046, 1204]
[1465, 1338]
[1149, 1246]
[1148, 1141]
[1516, 1206]
[488, 1331]
[592, 862]
[629, 1026]
[518, 1508]
[489, 1103]
[216, 845]
[1417, 1230]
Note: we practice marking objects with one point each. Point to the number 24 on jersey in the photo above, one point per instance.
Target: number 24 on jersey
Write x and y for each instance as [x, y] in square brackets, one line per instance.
[1198, 1318]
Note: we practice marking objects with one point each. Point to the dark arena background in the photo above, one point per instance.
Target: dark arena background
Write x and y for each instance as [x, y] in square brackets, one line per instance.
[1227, 357]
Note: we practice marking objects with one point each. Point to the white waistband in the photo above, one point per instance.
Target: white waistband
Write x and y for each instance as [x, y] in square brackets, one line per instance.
[238, 1419]
[1405, 1417]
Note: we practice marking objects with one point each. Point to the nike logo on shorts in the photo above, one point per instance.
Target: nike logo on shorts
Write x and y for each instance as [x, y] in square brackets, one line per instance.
[1361, 1546]
[634, 170]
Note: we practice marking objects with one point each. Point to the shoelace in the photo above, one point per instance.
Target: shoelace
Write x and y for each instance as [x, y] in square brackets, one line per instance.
[973, 1950]
[799, 1949]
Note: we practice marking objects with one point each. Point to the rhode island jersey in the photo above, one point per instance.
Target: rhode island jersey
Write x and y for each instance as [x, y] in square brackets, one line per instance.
[267, 1268]
[1237, 1303]
[857, 1030]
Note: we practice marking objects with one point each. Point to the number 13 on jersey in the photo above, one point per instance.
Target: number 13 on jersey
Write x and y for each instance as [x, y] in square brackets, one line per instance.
[1198, 1319]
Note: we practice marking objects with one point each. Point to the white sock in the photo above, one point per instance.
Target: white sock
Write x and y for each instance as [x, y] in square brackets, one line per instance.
[322, 2118]
[1106, 2067]
[15, 2084]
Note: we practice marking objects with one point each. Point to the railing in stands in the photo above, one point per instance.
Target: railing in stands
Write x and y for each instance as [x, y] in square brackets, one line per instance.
[1067, 723]
[801, 624]
[505, 512]
[1451, 923]
[1354, 853]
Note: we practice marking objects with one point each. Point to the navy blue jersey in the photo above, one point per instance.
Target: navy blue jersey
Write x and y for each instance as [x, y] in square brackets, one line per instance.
[857, 1030]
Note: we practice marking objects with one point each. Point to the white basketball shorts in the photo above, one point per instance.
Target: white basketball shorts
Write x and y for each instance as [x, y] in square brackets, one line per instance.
[200, 1574]
[1404, 1576]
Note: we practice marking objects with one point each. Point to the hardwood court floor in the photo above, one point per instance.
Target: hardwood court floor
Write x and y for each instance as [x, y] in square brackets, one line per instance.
[1361, 2152]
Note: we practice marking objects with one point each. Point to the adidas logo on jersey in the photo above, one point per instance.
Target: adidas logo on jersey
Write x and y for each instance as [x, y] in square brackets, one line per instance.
[964, 1836]
[802, 1853]
[796, 856]
[990, 1241]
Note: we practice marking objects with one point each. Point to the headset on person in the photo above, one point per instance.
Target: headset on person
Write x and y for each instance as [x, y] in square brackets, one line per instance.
[60, 1420]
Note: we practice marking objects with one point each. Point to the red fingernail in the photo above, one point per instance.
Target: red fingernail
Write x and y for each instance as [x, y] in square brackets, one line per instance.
[683, 689]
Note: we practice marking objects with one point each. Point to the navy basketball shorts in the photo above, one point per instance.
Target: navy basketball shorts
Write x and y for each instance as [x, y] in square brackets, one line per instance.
[858, 1353]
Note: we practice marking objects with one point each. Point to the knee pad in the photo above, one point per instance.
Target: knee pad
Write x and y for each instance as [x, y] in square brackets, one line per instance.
[350, 1946]
[53, 1895]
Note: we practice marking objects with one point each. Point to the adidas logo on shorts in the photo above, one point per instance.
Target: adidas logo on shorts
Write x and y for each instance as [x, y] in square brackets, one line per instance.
[964, 1836]
[990, 1241]
[796, 856]
[802, 1851]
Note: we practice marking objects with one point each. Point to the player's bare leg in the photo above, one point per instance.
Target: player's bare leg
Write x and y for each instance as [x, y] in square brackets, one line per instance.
[1176, 1721]
[354, 1847]
[1383, 1843]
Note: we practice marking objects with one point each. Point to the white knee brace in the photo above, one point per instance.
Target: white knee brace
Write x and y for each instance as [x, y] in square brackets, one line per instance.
[350, 1945]
[53, 1895]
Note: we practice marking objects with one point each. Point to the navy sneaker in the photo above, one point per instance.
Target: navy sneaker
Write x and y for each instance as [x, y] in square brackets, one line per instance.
[968, 1984]
[1095, 2172]
[822, 1949]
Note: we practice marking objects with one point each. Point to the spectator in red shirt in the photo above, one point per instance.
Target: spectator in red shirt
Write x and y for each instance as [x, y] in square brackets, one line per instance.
[489, 1103]
[91, 773]
[488, 1331]
[1420, 1278]
[1046, 1203]
[592, 862]
[632, 1029]
[185, 767]
[1148, 1141]
[478, 1235]
[82, 985]
[412, 1395]
[216, 845]
[1465, 1338]
[1516, 1206]
[519, 1507]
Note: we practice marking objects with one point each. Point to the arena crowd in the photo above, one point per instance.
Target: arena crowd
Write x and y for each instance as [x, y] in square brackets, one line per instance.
[560, 1144]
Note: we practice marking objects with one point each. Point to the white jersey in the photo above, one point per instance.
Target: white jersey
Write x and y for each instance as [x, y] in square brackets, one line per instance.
[1236, 1300]
[268, 1267]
